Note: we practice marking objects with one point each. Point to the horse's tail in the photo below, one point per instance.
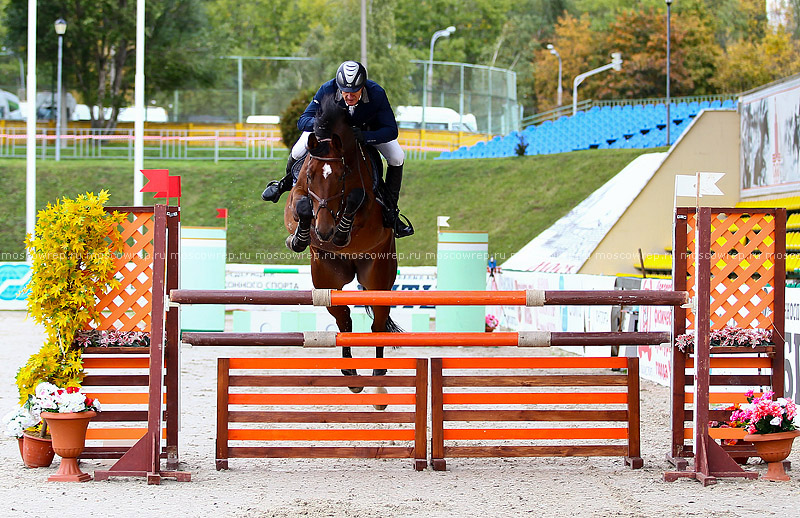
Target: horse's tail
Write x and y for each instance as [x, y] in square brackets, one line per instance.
[391, 325]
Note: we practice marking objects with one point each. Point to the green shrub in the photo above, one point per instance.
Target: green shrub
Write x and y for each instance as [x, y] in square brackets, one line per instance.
[289, 116]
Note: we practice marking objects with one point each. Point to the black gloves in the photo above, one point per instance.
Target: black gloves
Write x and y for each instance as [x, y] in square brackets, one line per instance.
[358, 134]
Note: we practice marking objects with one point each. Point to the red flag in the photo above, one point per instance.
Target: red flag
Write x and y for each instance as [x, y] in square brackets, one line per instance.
[172, 189]
[157, 180]
[222, 213]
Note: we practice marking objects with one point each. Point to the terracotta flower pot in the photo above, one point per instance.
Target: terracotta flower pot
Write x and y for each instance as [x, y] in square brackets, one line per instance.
[37, 452]
[69, 437]
[773, 448]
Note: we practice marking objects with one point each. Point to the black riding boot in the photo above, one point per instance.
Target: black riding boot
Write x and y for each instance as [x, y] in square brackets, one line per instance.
[277, 187]
[394, 179]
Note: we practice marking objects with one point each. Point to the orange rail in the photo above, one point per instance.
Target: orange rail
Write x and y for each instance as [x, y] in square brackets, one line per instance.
[323, 363]
[320, 435]
[321, 399]
[534, 398]
[534, 433]
[535, 363]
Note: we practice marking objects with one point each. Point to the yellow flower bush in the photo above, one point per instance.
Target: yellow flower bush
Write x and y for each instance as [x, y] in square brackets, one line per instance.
[73, 254]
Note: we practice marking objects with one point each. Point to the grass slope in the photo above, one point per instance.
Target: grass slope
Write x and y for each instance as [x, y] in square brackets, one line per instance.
[514, 199]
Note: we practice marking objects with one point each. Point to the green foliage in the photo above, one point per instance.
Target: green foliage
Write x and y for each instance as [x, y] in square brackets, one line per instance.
[750, 64]
[72, 255]
[289, 116]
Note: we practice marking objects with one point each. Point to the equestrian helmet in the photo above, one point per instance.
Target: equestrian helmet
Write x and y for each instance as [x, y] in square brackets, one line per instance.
[351, 76]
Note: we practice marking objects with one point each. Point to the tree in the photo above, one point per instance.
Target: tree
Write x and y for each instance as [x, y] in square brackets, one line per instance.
[99, 47]
[747, 64]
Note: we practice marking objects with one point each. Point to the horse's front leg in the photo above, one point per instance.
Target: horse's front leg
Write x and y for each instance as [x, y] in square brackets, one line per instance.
[341, 237]
[345, 324]
[381, 316]
[301, 238]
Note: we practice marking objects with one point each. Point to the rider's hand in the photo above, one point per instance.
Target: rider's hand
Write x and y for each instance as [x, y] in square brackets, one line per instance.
[358, 134]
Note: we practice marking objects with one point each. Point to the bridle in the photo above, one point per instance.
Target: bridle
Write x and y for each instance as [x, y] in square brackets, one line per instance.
[323, 202]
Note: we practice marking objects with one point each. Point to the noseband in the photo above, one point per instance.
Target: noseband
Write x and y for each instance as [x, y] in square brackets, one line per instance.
[323, 202]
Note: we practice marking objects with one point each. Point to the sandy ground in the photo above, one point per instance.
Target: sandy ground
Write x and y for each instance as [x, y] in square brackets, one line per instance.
[370, 488]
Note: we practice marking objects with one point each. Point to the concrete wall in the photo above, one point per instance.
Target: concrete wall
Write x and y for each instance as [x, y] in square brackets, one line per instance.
[711, 144]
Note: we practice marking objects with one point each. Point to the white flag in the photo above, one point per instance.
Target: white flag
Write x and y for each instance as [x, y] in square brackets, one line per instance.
[441, 221]
[685, 185]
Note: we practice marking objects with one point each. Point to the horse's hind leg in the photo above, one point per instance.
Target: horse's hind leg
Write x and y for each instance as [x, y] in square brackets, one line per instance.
[345, 324]
[380, 317]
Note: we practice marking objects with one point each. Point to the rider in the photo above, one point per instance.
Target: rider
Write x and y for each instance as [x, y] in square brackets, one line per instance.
[373, 123]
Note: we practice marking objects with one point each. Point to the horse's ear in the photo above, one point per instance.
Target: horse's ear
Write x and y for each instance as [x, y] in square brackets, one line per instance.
[312, 141]
[336, 142]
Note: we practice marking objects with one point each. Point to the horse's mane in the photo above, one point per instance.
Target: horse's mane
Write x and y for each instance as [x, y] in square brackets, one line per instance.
[328, 115]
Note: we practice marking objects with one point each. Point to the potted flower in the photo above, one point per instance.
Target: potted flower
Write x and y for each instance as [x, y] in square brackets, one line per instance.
[770, 427]
[491, 323]
[35, 447]
[729, 336]
[67, 411]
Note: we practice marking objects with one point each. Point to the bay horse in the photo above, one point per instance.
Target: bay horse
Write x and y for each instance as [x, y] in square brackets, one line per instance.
[333, 210]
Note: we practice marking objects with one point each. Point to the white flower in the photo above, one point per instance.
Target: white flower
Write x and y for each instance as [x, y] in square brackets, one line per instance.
[776, 421]
[781, 401]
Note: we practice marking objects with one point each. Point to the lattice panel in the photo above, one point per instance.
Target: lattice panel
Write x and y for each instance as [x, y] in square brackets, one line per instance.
[128, 308]
[742, 269]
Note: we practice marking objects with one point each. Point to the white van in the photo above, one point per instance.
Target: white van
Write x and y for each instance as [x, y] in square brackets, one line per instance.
[9, 106]
[436, 118]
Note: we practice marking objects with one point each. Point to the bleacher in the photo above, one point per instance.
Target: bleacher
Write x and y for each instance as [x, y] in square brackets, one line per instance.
[631, 126]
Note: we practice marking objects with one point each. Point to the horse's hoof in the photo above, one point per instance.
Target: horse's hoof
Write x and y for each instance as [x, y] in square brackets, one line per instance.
[380, 390]
[352, 372]
[356, 390]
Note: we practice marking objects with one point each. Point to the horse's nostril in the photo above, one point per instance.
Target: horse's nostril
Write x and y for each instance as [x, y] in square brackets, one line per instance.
[323, 235]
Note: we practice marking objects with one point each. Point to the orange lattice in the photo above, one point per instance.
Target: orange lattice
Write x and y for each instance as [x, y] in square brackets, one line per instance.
[742, 269]
[127, 308]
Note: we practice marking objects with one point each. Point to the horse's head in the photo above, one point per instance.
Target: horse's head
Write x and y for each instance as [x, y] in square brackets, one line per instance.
[329, 175]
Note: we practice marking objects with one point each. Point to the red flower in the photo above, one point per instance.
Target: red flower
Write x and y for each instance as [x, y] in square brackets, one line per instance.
[72, 390]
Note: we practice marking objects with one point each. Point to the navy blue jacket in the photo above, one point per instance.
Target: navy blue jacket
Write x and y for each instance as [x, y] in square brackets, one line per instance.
[373, 113]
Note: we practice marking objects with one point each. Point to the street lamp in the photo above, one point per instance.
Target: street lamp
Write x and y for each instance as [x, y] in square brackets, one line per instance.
[669, 4]
[554, 52]
[616, 64]
[444, 33]
[61, 28]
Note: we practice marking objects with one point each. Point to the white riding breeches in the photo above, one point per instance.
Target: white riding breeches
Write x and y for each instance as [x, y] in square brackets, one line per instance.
[391, 151]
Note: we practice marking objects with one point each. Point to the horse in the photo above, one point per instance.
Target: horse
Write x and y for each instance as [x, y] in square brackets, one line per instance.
[333, 210]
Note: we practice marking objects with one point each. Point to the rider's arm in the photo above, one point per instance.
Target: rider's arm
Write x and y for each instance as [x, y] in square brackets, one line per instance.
[385, 123]
[306, 120]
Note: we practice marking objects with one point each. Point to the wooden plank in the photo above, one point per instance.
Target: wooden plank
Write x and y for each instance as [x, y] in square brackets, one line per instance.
[326, 434]
[116, 380]
[322, 363]
[746, 380]
[535, 398]
[421, 413]
[606, 380]
[720, 398]
[108, 416]
[116, 363]
[718, 433]
[778, 314]
[479, 434]
[223, 372]
[321, 452]
[94, 434]
[702, 344]
[320, 417]
[88, 351]
[536, 415]
[634, 423]
[122, 398]
[534, 363]
[535, 451]
[735, 363]
[172, 351]
[321, 399]
[437, 413]
[321, 381]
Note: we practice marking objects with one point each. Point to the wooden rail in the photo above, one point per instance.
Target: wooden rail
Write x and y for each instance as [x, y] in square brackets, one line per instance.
[478, 402]
[249, 410]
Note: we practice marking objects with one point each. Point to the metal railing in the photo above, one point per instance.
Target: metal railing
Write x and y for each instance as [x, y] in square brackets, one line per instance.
[587, 104]
[184, 144]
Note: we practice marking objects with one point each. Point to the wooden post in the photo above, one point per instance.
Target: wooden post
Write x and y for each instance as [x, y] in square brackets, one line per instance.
[634, 456]
[421, 416]
[172, 348]
[437, 416]
[223, 378]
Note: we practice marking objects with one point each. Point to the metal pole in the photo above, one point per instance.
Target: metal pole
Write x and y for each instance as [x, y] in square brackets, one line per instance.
[138, 96]
[364, 32]
[669, 3]
[58, 100]
[239, 92]
[30, 155]
[560, 88]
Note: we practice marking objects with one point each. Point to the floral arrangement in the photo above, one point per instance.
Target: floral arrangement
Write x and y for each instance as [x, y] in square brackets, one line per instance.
[51, 398]
[730, 336]
[763, 415]
[491, 322]
[25, 417]
[96, 338]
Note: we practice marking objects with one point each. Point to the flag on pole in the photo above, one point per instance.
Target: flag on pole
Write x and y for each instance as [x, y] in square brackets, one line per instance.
[173, 189]
[157, 180]
[686, 185]
[222, 213]
[441, 221]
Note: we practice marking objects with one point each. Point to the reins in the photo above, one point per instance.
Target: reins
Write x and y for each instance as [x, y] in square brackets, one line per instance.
[323, 202]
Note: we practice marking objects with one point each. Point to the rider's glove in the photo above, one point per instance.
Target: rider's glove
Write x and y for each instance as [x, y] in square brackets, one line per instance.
[358, 134]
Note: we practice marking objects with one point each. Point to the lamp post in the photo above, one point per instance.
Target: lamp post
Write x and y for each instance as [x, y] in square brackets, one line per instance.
[669, 4]
[61, 28]
[616, 64]
[444, 33]
[554, 52]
